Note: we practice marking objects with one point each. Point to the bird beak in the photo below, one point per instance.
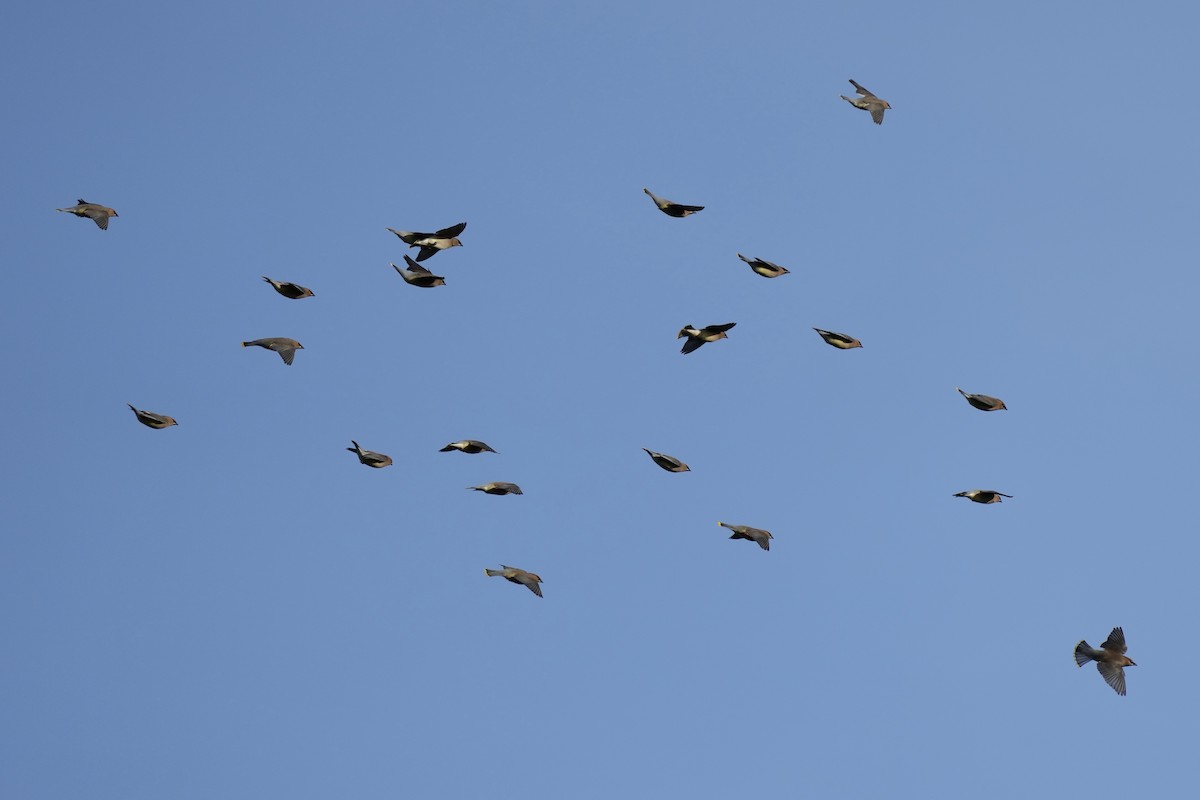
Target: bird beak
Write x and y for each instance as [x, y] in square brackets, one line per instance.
[1131, 664]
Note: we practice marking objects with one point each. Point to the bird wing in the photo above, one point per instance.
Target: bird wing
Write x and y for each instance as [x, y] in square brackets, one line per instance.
[764, 542]
[861, 89]
[1113, 675]
[692, 344]
[286, 353]
[877, 114]
[533, 585]
[719, 328]
[1115, 640]
[689, 209]
[451, 232]
[426, 252]
[415, 267]
[100, 219]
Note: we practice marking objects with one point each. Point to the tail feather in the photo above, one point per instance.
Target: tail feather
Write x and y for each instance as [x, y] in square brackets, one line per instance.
[491, 573]
[1082, 653]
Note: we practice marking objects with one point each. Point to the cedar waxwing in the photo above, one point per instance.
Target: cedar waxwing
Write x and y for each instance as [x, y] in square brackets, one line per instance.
[96, 213]
[416, 275]
[753, 534]
[868, 102]
[984, 496]
[1110, 659]
[983, 402]
[669, 463]
[471, 446]
[431, 243]
[672, 209]
[285, 347]
[370, 458]
[498, 487]
[527, 579]
[152, 420]
[839, 340]
[698, 336]
[292, 291]
[763, 267]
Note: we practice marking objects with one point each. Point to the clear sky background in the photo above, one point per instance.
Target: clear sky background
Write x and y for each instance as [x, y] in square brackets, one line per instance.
[236, 608]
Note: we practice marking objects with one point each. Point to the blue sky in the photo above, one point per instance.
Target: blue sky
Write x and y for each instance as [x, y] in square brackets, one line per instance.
[235, 607]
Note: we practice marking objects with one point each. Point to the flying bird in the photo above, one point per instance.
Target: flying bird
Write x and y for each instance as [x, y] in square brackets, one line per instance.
[498, 487]
[94, 211]
[152, 420]
[868, 102]
[431, 243]
[1110, 659]
[983, 402]
[763, 538]
[416, 275]
[672, 209]
[285, 347]
[514, 575]
[471, 446]
[839, 340]
[984, 496]
[292, 291]
[764, 267]
[669, 463]
[370, 457]
[699, 336]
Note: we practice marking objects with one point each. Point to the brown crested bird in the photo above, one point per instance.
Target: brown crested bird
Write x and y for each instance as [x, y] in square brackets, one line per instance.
[1110, 659]
[984, 402]
[431, 243]
[292, 291]
[527, 579]
[370, 457]
[669, 463]
[152, 420]
[498, 487]
[763, 267]
[672, 209]
[471, 446]
[700, 336]
[984, 496]
[839, 340]
[763, 538]
[868, 102]
[285, 347]
[94, 211]
[416, 275]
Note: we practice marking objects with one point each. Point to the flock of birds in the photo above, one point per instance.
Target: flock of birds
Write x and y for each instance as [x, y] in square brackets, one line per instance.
[1110, 657]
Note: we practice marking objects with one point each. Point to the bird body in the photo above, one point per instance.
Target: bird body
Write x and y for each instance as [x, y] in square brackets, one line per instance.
[432, 243]
[498, 487]
[527, 579]
[758, 535]
[1110, 659]
[152, 420]
[292, 291]
[94, 211]
[839, 340]
[471, 446]
[868, 102]
[416, 275]
[669, 463]
[700, 336]
[983, 402]
[370, 457]
[285, 347]
[672, 209]
[984, 496]
[764, 267]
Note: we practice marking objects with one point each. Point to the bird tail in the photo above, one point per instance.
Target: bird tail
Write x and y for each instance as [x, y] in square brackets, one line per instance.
[722, 524]
[63, 209]
[960, 391]
[245, 344]
[491, 573]
[1083, 653]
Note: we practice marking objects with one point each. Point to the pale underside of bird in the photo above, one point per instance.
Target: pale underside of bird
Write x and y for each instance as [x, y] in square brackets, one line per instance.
[152, 420]
[984, 496]
[984, 402]
[432, 243]
[669, 463]
[696, 337]
[471, 446]
[763, 267]
[94, 211]
[1110, 659]
[672, 209]
[868, 102]
[841, 341]
[416, 275]
[285, 347]
[758, 535]
[292, 291]
[529, 580]
[370, 457]
[498, 487]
